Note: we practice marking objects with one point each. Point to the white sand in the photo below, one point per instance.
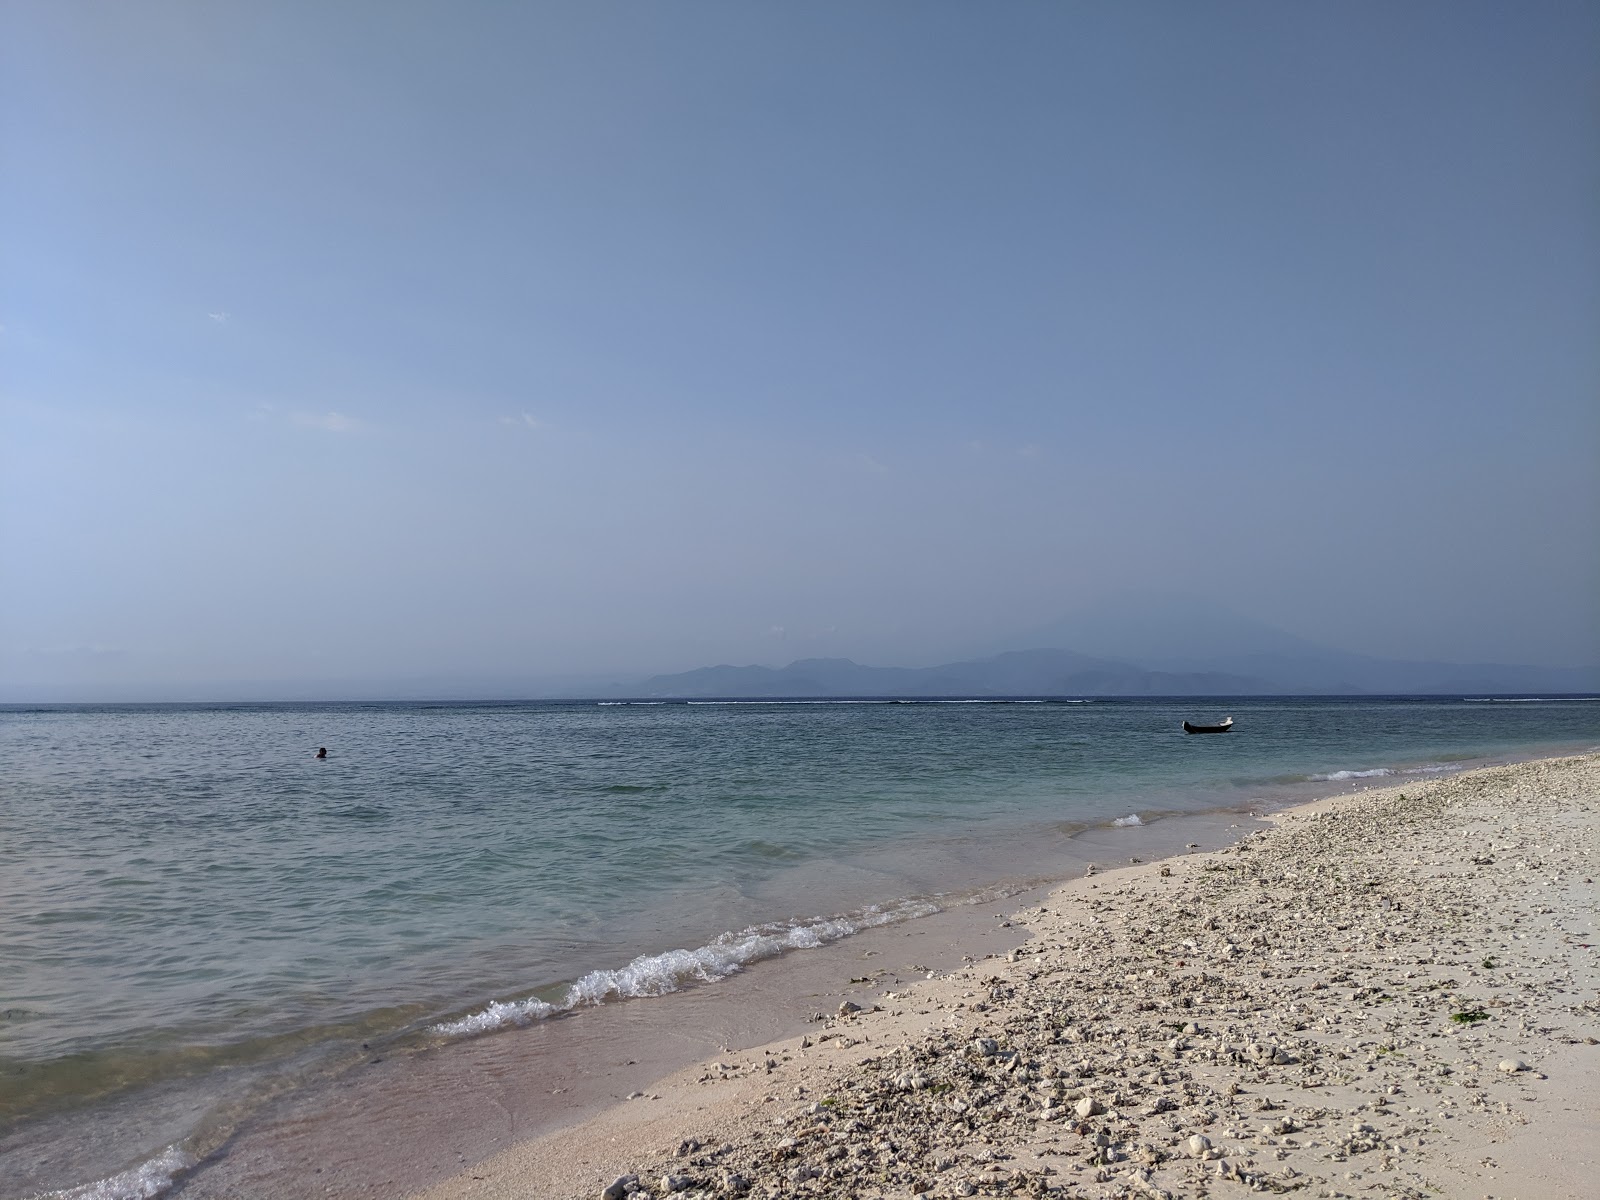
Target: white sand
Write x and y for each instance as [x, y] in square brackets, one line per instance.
[1274, 1017]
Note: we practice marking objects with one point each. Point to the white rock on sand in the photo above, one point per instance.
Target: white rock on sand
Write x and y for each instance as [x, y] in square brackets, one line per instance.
[1347, 1004]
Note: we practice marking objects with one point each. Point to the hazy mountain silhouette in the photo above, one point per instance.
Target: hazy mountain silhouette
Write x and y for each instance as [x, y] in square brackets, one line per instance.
[1161, 626]
[1138, 645]
[1187, 635]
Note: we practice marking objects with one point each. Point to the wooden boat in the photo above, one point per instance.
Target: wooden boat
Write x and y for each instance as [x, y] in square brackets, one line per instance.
[1227, 724]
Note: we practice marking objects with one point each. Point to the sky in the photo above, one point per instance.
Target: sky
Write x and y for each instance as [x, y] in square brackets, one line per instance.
[409, 340]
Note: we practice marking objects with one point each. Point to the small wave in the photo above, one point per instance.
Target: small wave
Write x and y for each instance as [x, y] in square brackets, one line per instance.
[770, 851]
[361, 812]
[1530, 699]
[660, 974]
[498, 1015]
[148, 1180]
[969, 702]
[1434, 769]
[879, 700]
[778, 703]
[1127, 821]
[1340, 776]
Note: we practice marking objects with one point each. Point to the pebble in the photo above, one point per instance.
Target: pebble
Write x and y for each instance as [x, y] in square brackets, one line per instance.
[1247, 983]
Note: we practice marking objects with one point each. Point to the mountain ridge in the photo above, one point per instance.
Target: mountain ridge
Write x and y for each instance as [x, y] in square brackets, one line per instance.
[1058, 672]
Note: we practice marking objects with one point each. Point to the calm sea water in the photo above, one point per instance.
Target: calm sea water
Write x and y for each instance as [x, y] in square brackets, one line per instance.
[187, 894]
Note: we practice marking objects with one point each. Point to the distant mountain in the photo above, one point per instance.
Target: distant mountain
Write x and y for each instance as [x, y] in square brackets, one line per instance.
[1187, 635]
[1065, 673]
[1334, 672]
[1015, 673]
[1148, 627]
[1147, 645]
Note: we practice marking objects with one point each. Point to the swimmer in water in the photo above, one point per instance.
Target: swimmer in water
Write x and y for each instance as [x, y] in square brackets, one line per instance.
[322, 752]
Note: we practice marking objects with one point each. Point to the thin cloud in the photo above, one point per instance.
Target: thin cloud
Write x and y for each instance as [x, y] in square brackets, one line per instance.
[221, 318]
[328, 422]
[523, 421]
[862, 461]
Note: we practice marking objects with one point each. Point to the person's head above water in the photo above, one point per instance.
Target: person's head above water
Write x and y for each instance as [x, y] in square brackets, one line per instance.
[322, 752]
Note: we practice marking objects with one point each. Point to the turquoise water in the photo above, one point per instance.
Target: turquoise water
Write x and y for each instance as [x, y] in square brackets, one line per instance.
[186, 890]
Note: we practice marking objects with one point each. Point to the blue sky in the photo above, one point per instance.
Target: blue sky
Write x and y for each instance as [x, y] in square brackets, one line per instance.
[395, 340]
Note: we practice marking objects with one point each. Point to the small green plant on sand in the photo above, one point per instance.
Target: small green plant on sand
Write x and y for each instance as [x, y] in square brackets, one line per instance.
[1488, 964]
[1469, 1016]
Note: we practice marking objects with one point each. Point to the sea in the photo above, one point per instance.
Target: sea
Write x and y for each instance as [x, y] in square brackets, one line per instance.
[201, 921]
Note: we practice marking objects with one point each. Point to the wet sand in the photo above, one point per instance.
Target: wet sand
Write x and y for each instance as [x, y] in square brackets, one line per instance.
[406, 1120]
[1379, 995]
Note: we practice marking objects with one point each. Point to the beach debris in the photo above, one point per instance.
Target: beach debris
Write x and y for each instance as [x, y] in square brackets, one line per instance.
[619, 1187]
[1128, 1048]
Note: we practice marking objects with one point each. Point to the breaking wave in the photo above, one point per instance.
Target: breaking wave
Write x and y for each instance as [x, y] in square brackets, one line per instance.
[148, 1180]
[1385, 772]
[1530, 699]
[660, 974]
[1130, 819]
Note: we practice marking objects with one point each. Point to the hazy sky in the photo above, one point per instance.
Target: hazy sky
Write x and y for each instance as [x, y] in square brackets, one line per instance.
[393, 339]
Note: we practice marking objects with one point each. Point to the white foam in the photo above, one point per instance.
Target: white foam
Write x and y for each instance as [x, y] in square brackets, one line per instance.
[769, 703]
[498, 1015]
[1130, 819]
[1340, 776]
[1434, 769]
[1530, 699]
[148, 1180]
[659, 974]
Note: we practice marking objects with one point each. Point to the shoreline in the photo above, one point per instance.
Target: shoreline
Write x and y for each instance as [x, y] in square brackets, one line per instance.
[424, 1115]
[1001, 1076]
[380, 1127]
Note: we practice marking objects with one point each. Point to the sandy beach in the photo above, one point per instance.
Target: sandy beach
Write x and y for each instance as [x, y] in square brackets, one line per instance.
[1389, 993]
